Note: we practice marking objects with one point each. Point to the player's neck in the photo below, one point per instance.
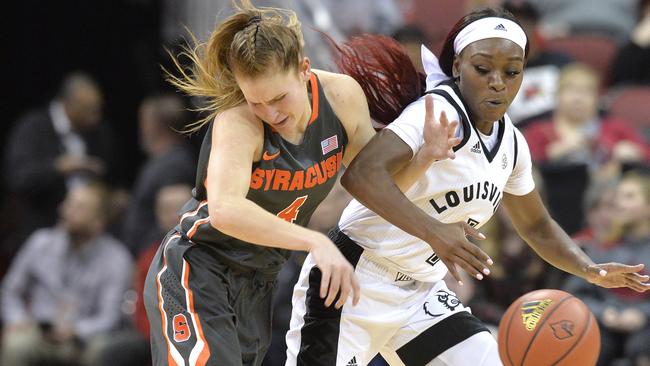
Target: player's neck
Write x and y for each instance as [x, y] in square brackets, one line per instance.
[485, 127]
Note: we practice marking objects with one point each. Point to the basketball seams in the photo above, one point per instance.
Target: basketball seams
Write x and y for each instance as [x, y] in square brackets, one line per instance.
[584, 331]
[541, 325]
[507, 343]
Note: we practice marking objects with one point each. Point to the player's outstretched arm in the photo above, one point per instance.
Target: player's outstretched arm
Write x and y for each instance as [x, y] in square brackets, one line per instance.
[534, 224]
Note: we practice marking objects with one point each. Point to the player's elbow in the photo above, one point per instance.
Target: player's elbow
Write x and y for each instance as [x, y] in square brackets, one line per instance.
[356, 177]
[222, 216]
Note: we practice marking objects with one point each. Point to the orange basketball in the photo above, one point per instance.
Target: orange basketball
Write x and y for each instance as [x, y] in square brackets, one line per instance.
[548, 327]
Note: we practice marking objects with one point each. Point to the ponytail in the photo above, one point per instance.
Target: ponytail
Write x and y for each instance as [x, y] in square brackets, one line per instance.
[384, 71]
[252, 42]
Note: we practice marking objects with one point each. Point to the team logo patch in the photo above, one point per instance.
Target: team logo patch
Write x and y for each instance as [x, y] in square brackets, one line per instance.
[532, 311]
[402, 277]
[449, 300]
[500, 27]
[446, 301]
[476, 148]
[181, 328]
[504, 161]
[329, 144]
[430, 312]
[563, 329]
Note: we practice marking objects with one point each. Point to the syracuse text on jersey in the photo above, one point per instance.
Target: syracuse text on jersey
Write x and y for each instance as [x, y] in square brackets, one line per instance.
[291, 180]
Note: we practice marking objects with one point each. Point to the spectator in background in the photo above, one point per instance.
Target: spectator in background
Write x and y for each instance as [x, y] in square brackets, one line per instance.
[536, 97]
[66, 284]
[632, 65]
[53, 149]
[577, 145]
[170, 161]
[624, 316]
[412, 37]
[576, 134]
[612, 18]
[365, 16]
[599, 207]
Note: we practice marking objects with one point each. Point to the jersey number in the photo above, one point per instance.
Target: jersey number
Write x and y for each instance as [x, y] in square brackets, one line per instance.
[291, 212]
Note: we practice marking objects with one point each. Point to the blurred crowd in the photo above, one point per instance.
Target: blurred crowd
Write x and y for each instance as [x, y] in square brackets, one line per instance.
[83, 209]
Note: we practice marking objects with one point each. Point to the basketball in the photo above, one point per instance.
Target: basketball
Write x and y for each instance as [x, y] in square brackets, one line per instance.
[548, 327]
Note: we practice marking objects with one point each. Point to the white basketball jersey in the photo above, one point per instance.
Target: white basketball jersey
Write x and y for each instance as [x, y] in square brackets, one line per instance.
[468, 188]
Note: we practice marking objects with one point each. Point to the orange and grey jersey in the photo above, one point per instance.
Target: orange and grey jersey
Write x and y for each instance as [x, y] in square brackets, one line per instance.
[289, 181]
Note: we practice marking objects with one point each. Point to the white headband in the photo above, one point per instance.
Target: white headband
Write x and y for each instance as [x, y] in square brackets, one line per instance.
[490, 28]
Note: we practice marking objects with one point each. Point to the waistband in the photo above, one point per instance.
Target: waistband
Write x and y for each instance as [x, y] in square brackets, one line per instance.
[265, 274]
[348, 247]
[367, 263]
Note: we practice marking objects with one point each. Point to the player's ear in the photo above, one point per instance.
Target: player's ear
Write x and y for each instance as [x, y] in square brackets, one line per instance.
[455, 68]
[305, 69]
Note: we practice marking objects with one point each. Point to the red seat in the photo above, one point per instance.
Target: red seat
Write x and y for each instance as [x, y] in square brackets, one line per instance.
[632, 103]
[436, 21]
[593, 50]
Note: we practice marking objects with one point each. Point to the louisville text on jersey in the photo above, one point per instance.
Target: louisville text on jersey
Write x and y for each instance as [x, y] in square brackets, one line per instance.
[480, 190]
[292, 180]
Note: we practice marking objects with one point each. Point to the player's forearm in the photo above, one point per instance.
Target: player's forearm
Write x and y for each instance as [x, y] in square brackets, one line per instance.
[372, 185]
[551, 243]
[407, 176]
[245, 220]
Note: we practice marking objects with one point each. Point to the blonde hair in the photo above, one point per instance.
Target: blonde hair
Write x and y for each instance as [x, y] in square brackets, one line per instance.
[577, 68]
[249, 42]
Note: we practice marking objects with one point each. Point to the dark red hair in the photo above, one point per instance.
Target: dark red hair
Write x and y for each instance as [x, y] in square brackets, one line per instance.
[384, 71]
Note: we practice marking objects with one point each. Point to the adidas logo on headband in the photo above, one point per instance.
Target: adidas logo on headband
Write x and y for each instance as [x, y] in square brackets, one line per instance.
[500, 27]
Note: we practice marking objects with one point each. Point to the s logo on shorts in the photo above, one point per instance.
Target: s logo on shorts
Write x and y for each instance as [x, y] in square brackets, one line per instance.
[181, 328]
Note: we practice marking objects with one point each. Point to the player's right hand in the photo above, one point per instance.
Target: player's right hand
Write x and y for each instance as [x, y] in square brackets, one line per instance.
[338, 276]
[450, 244]
[439, 136]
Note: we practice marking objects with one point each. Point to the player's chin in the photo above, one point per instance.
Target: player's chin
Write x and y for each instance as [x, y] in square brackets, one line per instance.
[493, 112]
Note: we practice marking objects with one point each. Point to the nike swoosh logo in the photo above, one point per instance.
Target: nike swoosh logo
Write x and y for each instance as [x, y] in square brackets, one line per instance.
[267, 156]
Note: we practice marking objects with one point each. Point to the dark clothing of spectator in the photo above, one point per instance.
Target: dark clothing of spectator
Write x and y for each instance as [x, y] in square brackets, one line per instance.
[632, 65]
[32, 178]
[175, 166]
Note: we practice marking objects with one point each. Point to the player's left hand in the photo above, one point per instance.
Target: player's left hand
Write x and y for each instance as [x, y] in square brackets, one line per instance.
[439, 137]
[612, 275]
